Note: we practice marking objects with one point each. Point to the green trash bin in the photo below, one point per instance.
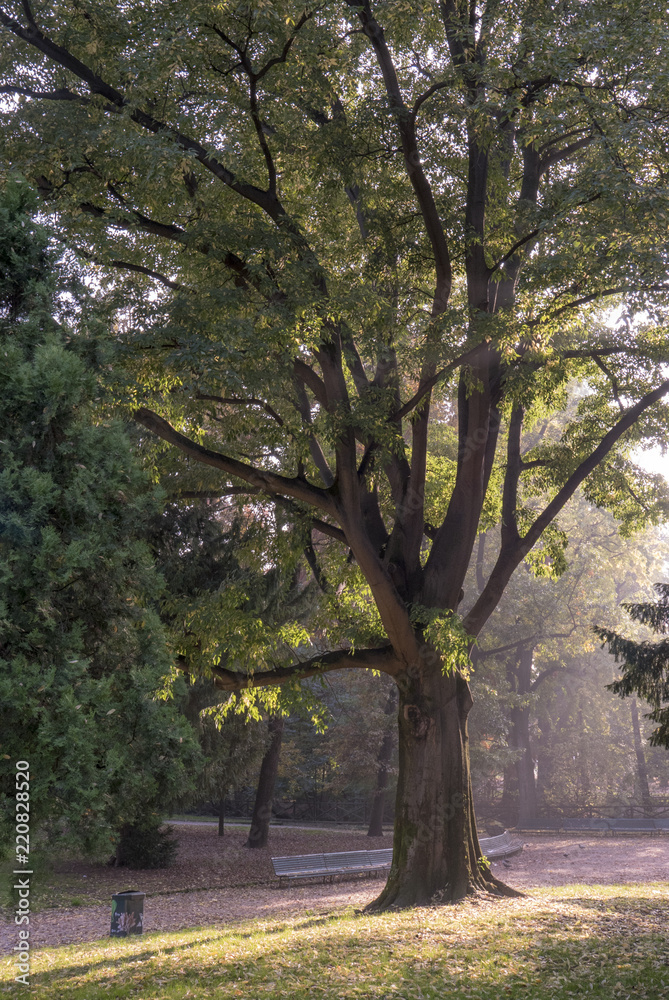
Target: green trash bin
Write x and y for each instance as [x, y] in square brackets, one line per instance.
[127, 913]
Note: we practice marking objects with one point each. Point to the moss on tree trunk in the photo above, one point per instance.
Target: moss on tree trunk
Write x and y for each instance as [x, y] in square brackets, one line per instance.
[436, 852]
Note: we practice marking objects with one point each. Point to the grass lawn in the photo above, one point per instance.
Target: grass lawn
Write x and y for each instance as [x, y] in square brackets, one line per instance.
[569, 941]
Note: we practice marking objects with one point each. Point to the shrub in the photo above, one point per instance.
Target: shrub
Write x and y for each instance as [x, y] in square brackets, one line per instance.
[146, 846]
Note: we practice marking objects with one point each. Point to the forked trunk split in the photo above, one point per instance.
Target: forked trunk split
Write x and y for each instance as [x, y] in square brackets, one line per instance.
[436, 852]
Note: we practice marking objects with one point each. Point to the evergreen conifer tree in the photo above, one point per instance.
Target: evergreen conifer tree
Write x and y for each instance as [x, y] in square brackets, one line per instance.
[82, 647]
[645, 664]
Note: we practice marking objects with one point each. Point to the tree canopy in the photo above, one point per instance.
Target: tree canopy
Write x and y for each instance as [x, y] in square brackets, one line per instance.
[335, 235]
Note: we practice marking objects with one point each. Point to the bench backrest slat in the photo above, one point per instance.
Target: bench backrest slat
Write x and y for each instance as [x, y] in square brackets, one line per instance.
[632, 824]
[303, 865]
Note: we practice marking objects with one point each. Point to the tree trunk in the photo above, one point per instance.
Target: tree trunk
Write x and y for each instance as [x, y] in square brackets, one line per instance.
[527, 789]
[641, 767]
[508, 805]
[382, 764]
[545, 764]
[519, 799]
[262, 808]
[435, 850]
[221, 818]
[585, 787]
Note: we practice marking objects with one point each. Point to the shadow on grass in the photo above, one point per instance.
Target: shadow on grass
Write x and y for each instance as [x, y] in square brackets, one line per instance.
[571, 948]
[120, 960]
[308, 923]
[619, 903]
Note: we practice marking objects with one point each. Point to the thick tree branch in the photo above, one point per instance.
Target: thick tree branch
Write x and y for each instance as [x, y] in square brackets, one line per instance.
[383, 659]
[237, 401]
[514, 249]
[478, 430]
[509, 529]
[413, 166]
[563, 495]
[61, 94]
[556, 668]
[315, 567]
[316, 523]
[563, 154]
[612, 379]
[422, 98]
[468, 358]
[229, 491]
[535, 463]
[125, 265]
[530, 640]
[510, 558]
[312, 380]
[592, 297]
[268, 482]
[304, 409]
[243, 278]
[480, 553]
[353, 359]
[328, 529]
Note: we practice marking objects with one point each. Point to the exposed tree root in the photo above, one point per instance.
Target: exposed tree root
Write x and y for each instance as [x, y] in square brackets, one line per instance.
[401, 897]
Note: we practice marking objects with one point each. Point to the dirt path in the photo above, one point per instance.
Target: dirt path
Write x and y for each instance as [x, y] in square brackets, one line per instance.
[206, 860]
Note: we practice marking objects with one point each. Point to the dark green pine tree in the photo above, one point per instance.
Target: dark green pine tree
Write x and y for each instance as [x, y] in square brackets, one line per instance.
[645, 665]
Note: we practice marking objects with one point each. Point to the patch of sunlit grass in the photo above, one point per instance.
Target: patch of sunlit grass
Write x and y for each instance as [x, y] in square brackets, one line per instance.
[567, 941]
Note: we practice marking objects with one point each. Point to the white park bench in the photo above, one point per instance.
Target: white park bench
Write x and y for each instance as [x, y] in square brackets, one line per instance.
[371, 862]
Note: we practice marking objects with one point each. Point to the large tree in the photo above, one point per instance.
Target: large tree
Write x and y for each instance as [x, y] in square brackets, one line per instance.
[82, 648]
[360, 221]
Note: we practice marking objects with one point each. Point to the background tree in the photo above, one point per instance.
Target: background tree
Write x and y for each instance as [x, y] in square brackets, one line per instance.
[585, 747]
[264, 798]
[82, 648]
[220, 583]
[540, 640]
[348, 209]
[644, 663]
[383, 767]
[232, 748]
[361, 741]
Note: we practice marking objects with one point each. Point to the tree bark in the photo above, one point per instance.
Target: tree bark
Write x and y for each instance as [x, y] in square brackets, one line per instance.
[221, 818]
[262, 807]
[527, 789]
[583, 762]
[641, 767]
[436, 853]
[544, 759]
[375, 828]
[519, 799]
[508, 806]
